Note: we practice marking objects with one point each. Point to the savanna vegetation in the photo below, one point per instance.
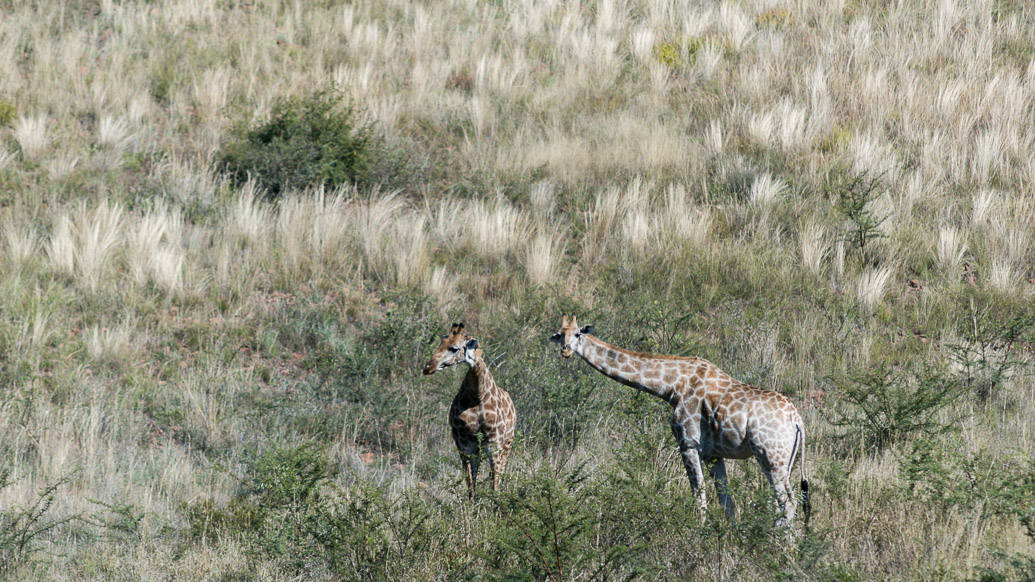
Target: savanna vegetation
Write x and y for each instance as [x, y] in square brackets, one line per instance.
[228, 230]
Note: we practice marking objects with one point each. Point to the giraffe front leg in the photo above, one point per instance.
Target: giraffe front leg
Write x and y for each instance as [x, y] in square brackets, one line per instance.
[469, 458]
[688, 449]
[718, 471]
[468, 476]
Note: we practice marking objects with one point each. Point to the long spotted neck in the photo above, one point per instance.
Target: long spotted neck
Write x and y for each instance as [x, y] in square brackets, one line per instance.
[478, 380]
[624, 366]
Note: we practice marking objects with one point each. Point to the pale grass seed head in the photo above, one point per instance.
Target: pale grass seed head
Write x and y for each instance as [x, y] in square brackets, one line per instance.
[62, 165]
[409, 251]
[6, 157]
[951, 246]
[147, 257]
[793, 133]
[642, 42]
[813, 245]
[62, 248]
[873, 155]
[839, 258]
[114, 133]
[735, 25]
[34, 331]
[248, 217]
[543, 197]
[292, 225]
[871, 285]
[330, 223]
[987, 156]
[447, 224]
[440, 287]
[375, 221]
[166, 267]
[20, 242]
[493, 229]
[766, 189]
[1002, 277]
[31, 134]
[111, 344]
[681, 219]
[637, 231]
[713, 137]
[708, 59]
[542, 257]
[99, 234]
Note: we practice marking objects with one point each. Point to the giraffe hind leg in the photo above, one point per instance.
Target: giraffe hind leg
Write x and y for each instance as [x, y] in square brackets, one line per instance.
[500, 463]
[779, 479]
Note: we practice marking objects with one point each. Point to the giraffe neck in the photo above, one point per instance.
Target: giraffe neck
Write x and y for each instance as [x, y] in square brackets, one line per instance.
[479, 380]
[629, 368]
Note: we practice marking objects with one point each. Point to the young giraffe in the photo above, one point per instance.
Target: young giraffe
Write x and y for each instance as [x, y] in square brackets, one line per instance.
[479, 407]
[714, 417]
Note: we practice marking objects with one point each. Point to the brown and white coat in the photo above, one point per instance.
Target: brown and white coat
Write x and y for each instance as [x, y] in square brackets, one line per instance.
[480, 407]
[714, 417]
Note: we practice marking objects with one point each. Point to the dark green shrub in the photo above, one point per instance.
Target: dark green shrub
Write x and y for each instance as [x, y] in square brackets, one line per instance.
[556, 526]
[886, 405]
[369, 535]
[307, 142]
[287, 477]
[989, 328]
[854, 193]
[272, 510]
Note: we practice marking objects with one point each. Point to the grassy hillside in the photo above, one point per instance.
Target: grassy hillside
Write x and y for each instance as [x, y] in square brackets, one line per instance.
[228, 230]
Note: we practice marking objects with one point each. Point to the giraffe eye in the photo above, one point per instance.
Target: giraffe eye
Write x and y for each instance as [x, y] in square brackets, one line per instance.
[454, 349]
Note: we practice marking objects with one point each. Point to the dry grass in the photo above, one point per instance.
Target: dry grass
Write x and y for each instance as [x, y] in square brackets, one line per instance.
[624, 158]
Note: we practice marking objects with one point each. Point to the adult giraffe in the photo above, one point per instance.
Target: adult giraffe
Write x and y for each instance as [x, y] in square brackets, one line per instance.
[714, 417]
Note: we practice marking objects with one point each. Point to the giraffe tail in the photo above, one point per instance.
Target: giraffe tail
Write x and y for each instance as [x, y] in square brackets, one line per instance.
[806, 503]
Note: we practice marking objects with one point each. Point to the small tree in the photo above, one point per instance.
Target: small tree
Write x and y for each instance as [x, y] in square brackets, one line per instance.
[855, 193]
[989, 334]
[307, 142]
[886, 405]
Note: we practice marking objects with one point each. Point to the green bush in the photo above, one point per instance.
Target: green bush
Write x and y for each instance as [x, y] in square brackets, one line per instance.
[369, 535]
[7, 112]
[307, 142]
[22, 528]
[989, 328]
[886, 405]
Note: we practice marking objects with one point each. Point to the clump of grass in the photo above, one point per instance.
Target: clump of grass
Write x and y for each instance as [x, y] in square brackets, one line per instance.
[7, 112]
[310, 141]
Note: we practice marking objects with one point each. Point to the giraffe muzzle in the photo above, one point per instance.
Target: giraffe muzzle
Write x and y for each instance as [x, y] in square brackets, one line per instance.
[566, 352]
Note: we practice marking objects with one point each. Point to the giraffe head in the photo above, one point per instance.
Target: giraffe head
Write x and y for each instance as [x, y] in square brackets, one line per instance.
[455, 348]
[570, 335]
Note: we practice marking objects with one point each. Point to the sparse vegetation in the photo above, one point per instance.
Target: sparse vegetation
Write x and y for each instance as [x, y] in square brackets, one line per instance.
[228, 230]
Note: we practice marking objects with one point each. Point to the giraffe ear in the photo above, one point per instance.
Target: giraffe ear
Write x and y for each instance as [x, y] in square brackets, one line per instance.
[556, 338]
[587, 329]
[472, 344]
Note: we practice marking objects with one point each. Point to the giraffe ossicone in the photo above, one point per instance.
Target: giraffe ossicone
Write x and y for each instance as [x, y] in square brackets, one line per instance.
[479, 407]
[714, 417]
